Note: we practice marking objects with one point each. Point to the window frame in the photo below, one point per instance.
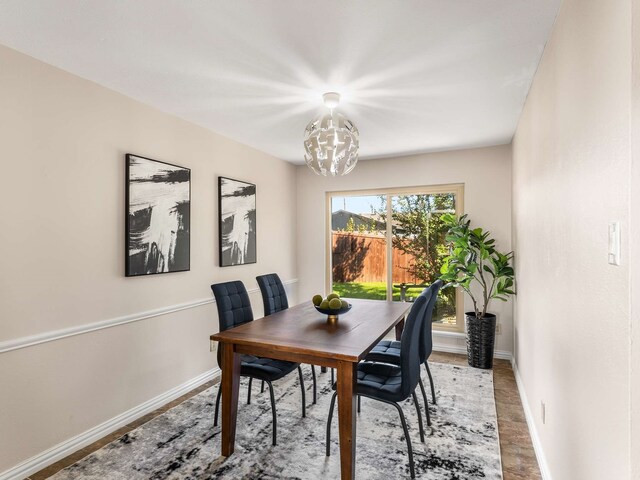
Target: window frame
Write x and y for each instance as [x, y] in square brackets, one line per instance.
[456, 188]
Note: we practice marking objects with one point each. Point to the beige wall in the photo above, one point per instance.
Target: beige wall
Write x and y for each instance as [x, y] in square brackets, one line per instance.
[634, 372]
[485, 173]
[63, 141]
[571, 161]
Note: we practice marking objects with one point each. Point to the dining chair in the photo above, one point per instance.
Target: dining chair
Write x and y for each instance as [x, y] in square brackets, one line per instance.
[274, 299]
[393, 384]
[388, 351]
[234, 309]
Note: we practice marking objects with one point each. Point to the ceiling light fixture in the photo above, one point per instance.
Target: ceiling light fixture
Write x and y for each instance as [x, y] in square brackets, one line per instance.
[331, 141]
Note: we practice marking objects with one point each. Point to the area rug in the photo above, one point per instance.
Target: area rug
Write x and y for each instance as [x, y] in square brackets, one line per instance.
[182, 443]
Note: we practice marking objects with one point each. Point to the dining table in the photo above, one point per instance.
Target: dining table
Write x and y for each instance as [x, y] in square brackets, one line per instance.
[301, 334]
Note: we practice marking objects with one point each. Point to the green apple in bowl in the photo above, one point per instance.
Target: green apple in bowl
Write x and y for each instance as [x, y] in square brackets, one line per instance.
[335, 304]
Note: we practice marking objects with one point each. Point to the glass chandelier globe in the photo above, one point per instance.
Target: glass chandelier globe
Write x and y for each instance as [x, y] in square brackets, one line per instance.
[331, 141]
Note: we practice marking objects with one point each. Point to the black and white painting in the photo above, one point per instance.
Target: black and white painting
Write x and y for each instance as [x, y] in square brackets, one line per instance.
[237, 222]
[158, 217]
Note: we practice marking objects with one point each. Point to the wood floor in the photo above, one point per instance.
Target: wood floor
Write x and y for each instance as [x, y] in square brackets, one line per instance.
[518, 458]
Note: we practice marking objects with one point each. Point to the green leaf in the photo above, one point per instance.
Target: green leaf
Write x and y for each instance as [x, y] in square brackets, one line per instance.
[488, 270]
[468, 248]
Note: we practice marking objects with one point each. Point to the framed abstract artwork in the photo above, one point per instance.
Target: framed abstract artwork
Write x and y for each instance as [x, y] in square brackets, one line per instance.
[236, 222]
[158, 211]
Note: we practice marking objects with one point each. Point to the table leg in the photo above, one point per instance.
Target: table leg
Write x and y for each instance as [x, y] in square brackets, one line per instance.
[230, 390]
[399, 328]
[347, 379]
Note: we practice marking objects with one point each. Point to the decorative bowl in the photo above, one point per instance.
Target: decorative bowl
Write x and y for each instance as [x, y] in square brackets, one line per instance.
[333, 313]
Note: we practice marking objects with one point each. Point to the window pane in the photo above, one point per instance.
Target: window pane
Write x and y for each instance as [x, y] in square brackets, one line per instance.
[358, 240]
[360, 250]
[419, 248]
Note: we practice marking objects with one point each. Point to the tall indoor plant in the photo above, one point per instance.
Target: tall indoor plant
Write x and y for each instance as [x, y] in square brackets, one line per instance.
[474, 259]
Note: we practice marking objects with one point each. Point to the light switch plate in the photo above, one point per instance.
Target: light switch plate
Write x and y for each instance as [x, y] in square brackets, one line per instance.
[614, 243]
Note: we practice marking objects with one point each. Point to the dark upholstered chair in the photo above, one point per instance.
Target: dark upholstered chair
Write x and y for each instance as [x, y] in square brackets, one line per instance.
[394, 383]
[274, 299]
[388, 351]
[234, 309]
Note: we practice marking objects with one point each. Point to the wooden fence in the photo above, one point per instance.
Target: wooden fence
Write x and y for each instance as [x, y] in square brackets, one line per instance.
[362, 257]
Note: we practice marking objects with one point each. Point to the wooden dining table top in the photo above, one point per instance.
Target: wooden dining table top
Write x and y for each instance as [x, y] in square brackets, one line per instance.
[301, 329]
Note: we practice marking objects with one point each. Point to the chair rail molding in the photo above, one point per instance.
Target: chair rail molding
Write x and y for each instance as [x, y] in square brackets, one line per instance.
[39, 338]
[71, 445]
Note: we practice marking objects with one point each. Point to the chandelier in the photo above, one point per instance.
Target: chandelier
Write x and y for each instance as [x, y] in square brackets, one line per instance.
[331, 141]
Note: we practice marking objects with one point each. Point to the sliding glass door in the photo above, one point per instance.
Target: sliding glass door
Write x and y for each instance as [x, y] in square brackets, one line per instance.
[359, 246]
[389, 244]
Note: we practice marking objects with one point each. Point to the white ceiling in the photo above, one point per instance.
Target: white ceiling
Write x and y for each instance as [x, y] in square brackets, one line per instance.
[415, 75]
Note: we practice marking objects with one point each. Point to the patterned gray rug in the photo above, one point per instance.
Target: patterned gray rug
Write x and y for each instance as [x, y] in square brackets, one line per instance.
[183, 443]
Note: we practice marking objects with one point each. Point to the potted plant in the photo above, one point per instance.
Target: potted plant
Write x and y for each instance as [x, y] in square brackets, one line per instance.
[474, 259]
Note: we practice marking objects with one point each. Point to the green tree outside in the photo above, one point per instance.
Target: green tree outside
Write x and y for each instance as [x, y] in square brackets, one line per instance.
[351, 225]
[418, 230]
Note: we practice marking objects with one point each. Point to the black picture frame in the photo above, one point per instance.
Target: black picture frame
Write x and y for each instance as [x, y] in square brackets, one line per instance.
[237, 222]
[157, 217]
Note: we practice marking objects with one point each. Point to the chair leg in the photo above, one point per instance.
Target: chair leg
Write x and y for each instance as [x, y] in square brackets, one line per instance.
[406, 435]
[215, 418]
[433, 390]
[313, 375]
[249, 391]
[359, 397]
[426, 403]
[332, 377]
[273, 411]
[304, 400]
[415, 402]
[328, 443]
[262, 387]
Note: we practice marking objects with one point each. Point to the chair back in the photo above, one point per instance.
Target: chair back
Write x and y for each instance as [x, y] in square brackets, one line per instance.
[234, 306]
[274, 297]
[410, 346]
[431, 293]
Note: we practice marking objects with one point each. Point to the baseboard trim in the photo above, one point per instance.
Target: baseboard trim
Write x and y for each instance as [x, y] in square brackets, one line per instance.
[444, 333]
[63, 449]
[500, 354]
[30, 341]
[533, 431]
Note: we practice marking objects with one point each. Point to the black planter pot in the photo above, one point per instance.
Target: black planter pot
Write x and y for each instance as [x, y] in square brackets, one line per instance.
[481, 337]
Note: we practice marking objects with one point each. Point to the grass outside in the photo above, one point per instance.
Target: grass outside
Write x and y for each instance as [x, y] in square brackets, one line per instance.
[371, 290]
[378, 291]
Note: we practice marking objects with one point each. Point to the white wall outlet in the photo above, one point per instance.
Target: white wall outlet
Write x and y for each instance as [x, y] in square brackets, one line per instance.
[498, 329]
[213, 345]
[614, 243]
[543, 412]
